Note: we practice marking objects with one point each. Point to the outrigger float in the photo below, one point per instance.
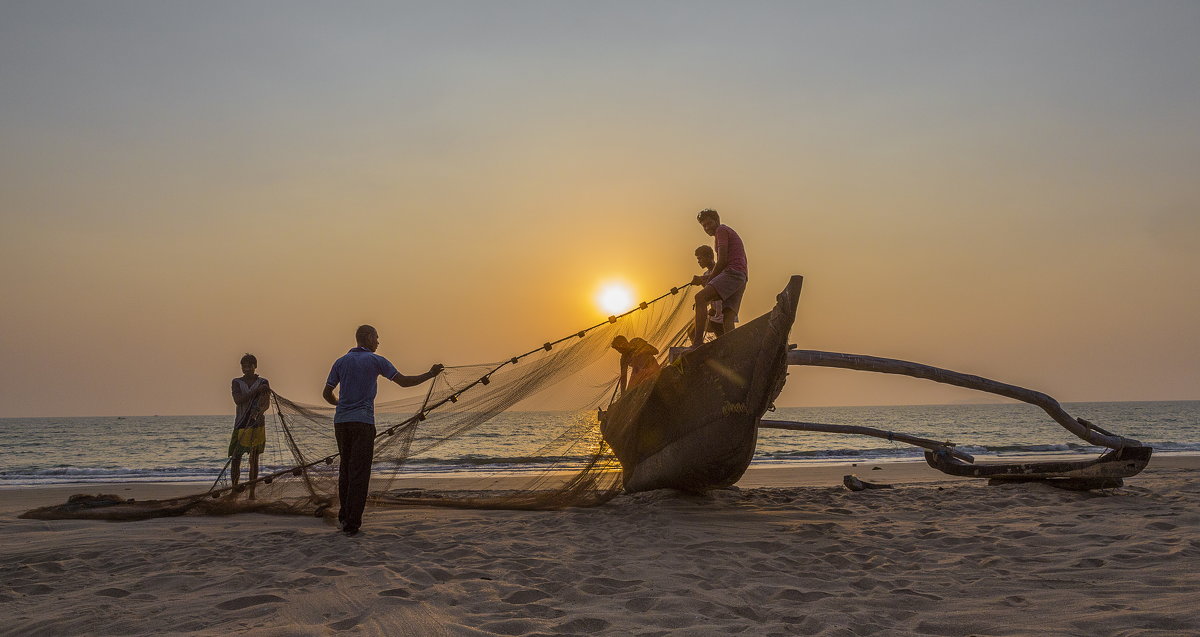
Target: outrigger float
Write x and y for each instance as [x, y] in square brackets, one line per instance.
[694, 426]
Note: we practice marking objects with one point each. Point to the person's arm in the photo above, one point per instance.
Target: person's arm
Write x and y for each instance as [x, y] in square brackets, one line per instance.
[240, 397]
[262, 396]
[328, 395]
[624, 372]
[412, 381]
[722, 253]
[332, 381]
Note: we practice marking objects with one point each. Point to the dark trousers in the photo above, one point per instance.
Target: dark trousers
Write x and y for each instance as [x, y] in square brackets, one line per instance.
[356, 444]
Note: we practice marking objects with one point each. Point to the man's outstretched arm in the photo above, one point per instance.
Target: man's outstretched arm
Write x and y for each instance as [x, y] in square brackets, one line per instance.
[410, 381]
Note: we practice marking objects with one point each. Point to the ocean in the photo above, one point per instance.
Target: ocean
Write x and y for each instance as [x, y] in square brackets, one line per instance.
[48, 451]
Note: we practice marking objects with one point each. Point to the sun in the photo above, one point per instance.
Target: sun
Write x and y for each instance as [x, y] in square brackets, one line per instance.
[615, 298]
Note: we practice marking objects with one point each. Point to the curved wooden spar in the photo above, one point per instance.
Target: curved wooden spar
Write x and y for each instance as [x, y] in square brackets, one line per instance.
[1082, 428]
[934, 445]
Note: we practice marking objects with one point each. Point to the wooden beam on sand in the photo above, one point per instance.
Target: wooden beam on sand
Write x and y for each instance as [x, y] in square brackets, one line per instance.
[1082, 428]
[934, 445]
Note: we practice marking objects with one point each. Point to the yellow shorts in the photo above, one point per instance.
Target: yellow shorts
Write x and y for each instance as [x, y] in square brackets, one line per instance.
[247, 440]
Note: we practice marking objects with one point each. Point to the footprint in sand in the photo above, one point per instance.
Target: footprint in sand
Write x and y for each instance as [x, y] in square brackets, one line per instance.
[526, 596]
[909, 591]
[1162, 526]
[1089, 563]
[641, 604]
[606, 585]
[511, 627]
[239, 603]
[345, 624]
[582, 626]
[794, 595]
[324, 572]
[112, 592]
[33, 589]
[540, 611]
[395, 592]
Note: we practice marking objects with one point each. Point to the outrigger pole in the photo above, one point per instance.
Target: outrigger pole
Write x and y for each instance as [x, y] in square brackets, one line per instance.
[1078, 426]
[1126, 458]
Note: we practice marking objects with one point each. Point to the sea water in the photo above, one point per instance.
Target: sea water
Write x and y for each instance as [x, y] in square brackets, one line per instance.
[43, 451]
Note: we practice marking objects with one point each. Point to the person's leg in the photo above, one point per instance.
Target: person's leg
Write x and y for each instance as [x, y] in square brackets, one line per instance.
[253, 471]
[343, 444]
[728, 315]
[235, 470]
[362, 450]
[703, 298]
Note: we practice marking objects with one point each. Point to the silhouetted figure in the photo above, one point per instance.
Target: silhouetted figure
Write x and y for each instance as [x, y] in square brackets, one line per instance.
[637, 360]
[251, 394]
[358, 373]
[707, 259]
[728, 279]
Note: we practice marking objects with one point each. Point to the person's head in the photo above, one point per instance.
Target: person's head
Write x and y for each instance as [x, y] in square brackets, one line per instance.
[249, 364]
[709, 220]
[620, 343]
[705, 257]
[367, 337]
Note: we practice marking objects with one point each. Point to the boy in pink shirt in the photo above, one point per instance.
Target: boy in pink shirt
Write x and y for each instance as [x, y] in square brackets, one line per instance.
[728, 279]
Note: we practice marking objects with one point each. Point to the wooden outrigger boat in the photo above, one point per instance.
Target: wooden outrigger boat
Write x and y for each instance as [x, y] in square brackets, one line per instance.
[694, 426]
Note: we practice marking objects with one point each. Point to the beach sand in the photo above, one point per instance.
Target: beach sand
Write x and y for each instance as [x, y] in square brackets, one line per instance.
[790, 552]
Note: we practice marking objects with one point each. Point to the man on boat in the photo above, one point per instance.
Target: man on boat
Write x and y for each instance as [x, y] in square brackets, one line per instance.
[729, 274]
[354, 421]
[707, 259]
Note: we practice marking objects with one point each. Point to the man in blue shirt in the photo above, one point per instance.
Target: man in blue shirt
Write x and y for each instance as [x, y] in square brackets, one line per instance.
[358, 373]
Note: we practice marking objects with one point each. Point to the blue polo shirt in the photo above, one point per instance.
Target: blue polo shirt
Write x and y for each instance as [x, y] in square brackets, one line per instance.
[358, 373]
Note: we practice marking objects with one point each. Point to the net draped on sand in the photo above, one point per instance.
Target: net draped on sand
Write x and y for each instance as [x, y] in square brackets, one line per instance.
[573, 466]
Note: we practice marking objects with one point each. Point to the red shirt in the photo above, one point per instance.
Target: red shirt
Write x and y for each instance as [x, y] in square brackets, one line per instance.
[729, 245]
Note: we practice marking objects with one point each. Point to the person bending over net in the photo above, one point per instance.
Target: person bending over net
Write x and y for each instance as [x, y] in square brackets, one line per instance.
[358, 374]
[729, 274]
[637, 360]
[252, 395]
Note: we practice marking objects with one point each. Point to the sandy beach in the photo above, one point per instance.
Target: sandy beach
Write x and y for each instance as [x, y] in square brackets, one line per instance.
[789, 552]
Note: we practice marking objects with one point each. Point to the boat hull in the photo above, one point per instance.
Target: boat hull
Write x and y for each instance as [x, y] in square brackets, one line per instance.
[1118, 463]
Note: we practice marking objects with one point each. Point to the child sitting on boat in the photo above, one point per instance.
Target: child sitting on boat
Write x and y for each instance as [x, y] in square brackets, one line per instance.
[707, 259]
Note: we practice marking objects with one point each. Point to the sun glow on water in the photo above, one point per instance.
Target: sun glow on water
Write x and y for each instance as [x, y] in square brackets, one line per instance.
[615, 298]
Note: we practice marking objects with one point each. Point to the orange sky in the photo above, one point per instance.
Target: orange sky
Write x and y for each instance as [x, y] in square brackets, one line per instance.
[975, 187]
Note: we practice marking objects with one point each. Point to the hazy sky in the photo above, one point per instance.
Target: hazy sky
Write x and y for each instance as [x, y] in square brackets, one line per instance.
[1003, 188]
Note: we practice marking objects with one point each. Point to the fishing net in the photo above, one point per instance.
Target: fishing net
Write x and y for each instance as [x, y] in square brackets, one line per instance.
[565, 460]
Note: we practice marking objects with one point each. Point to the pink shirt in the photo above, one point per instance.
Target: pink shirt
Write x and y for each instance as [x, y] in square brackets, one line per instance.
[730, 245]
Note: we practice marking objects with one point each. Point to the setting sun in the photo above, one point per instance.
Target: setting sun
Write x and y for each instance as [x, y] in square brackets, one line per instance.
[615, 298]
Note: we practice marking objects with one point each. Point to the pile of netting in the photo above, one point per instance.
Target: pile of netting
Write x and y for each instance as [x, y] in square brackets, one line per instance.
[567, 461]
